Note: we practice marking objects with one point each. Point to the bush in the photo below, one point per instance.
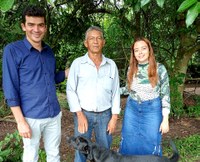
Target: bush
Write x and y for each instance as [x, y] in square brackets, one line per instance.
[194, 111]
[11, 148]
[4, 110]
[176, 97]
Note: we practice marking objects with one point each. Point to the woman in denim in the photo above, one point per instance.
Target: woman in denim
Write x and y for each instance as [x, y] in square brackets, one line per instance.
[148, 104]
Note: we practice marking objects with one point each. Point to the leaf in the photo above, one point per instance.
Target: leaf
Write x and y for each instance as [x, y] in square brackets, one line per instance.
[6, 5]
[160, 3]
[198, 6]
[136, 7]
[144, 2]
[192, 15]
[51, 2]
[5, 153]
[33, 1]
[186, 4]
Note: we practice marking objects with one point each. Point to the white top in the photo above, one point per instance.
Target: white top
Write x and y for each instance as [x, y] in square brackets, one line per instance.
[141, 89]
[93, 89]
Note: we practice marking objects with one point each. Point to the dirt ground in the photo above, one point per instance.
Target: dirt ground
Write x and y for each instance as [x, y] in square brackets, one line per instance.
[178, 128]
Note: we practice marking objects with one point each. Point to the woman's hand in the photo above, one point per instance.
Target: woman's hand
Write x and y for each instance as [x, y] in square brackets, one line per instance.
[164, 126]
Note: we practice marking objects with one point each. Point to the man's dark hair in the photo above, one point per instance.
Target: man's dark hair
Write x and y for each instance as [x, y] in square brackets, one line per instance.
[35, 11]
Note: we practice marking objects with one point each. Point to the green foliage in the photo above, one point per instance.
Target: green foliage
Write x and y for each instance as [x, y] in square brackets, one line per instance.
[194, 111]
[144, 2]
[197, 99]
[11, 148]
[195, 60]
[51, 2]
[61, 87]
[188, 148]
[176, 97]
[193, 7]
[118, 41]
[116, 141]
[67, 23]
[10, 27]
[6, 5]
[192, 14]
[4, 110]
[42, 155]
[67, 53]
[160, 3]
[62, 100]
[186, 4]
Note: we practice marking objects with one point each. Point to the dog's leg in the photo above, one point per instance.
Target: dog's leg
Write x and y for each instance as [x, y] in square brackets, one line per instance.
[175, 155]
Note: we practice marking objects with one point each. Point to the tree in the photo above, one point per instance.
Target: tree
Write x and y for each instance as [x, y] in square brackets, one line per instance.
[175, 41]
[174, 34]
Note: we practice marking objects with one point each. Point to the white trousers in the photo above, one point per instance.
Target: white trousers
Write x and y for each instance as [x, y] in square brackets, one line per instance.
[50, 130]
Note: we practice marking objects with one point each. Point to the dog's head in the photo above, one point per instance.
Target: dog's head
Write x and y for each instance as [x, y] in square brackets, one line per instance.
[81, 144]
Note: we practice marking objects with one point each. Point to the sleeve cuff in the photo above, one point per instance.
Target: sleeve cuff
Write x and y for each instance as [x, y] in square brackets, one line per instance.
[165, 111]
[116, 111]
[13, 102]
[60, 77]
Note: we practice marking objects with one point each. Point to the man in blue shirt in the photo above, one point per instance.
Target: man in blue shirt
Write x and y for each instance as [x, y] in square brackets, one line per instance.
[29, 80]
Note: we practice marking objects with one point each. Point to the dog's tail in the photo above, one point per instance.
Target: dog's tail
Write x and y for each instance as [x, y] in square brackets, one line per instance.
[175, 155]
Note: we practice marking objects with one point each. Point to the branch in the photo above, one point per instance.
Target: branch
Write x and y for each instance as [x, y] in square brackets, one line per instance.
[194, 48]
[9, 118]
[100, 10]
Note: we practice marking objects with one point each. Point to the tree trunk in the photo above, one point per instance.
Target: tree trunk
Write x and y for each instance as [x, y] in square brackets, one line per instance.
[188, 46]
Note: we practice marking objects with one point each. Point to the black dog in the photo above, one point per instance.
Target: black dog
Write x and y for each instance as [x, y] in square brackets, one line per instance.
[95, 153]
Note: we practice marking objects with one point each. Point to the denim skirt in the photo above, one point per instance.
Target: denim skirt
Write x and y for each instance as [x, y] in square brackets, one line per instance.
[140, 129]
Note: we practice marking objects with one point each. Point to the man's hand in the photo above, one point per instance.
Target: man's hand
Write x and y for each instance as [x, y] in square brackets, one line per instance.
[112, 124]
[82, 122]
[66, 72]
[22, 126]
[24, 129]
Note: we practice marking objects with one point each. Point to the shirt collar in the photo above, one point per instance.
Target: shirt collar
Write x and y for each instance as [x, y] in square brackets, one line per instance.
[86, 59]
[29, 46]
[145, 64]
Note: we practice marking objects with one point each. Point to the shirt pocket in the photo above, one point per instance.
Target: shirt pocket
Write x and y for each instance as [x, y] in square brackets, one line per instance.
[107, 83]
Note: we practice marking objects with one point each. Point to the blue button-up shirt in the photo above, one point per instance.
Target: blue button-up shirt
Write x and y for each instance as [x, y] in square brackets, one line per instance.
[29, 79]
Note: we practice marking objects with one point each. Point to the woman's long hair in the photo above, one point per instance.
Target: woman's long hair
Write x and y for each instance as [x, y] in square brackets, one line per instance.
[133, 65]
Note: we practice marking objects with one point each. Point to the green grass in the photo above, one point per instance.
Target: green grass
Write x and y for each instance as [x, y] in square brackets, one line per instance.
[62, 100]
[188, 147]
